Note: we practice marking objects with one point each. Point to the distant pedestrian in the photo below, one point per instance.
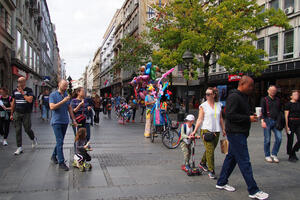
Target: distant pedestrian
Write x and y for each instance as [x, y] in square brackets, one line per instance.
[270, 108]
[143, 107]
[22, 105]
[292, 119]
[109, 107]
[238, 122]
[5, 110]
[60, 106]
[133, 105]
[45, 105]
[211, 122]
[97, 108]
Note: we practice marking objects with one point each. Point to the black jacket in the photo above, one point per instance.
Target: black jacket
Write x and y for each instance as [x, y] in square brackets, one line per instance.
[270, 109]
[237, 113]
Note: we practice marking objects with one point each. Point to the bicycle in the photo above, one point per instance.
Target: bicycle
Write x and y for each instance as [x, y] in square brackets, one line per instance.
[168, 132]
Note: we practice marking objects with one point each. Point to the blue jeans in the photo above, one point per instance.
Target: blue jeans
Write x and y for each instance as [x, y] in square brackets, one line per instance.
[60, 132]
[238, 154]
[267, 133]
[88, 130]
[45, 112]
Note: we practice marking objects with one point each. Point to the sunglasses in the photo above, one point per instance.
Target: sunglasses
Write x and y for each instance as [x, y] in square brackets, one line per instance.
[209, 94]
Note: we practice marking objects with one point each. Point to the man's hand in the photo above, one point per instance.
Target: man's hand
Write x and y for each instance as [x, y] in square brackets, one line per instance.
[75, 123]
[67, 98]
[224, 133]
[288, 131]
[20, 90]
[11, 117]
[263, 125]
[89, 108]
[253, 118]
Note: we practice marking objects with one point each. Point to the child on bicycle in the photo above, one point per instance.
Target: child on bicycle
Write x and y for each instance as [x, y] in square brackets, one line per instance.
[82, 146]
[186, 130]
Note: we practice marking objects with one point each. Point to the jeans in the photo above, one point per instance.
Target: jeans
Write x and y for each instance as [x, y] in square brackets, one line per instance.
[238, 154]
[4, 127]
[60, 132]
[25, 120]
[267, 133]
[295, 129]
[45, 112]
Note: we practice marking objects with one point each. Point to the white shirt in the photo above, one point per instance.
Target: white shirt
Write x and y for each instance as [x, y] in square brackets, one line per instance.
[211, 119]
[188, 133]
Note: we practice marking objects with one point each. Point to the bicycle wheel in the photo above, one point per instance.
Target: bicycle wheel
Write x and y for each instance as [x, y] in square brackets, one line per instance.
[152, 132]
[170, 139]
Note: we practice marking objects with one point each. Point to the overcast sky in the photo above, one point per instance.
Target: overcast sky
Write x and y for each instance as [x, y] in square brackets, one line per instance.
[80, 26]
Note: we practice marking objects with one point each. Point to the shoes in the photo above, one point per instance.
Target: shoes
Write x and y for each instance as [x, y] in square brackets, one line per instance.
[19, 151]
[268, 159]
[34, 143]
[132, 121]
[63, 166]
[275, 159]
[212, 175]
[293, 158]
[259, 195]
[203, 167]
[147, 135]
[226, 187]
[5, 142]
[54, 160]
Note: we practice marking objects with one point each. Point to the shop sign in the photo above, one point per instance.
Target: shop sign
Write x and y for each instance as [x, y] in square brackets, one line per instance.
[18, 72]
[235, 77]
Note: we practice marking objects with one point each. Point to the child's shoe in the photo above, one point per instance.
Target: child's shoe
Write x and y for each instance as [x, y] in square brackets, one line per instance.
[87, 166]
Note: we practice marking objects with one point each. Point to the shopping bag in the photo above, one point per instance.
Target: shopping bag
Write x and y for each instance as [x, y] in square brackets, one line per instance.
[224, 144]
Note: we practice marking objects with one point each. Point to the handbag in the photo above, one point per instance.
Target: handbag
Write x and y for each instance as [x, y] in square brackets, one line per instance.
[210, 136]
[81, 119]
[224, 144]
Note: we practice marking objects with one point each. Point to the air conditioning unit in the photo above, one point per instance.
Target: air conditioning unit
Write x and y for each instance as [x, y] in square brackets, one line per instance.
[289, 10]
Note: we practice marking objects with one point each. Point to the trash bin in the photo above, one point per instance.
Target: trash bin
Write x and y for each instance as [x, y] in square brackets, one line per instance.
[180, 116]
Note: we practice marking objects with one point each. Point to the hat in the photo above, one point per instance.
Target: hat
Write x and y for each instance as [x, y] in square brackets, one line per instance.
[190, 118]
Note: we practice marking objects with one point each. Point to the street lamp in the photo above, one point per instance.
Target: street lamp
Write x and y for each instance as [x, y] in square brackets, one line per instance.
[70, 85]
[187, 57]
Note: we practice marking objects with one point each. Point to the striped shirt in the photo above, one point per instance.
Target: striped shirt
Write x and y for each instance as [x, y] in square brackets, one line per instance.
[21, 105]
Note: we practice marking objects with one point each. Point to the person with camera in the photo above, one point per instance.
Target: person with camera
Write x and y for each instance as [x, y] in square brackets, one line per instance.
[59, 102]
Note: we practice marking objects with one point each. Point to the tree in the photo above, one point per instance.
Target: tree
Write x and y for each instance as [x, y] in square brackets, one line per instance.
[224, 30]
[134, 52]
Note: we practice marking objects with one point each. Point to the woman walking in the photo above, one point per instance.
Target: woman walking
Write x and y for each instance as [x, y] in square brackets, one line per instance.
[211, 120]
[5, 109]
[292, 118]
[81, 108]
[97, 106]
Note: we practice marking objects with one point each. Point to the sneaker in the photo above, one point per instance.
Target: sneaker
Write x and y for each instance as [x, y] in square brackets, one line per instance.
[259, 195]
[212, 175]
[5, 142]
[34, 143]
[203, 167]
[268, 159]
[54, 160]
[293, 158]
[226, 187]
[19, 151]
[63, 166]
[275, 159]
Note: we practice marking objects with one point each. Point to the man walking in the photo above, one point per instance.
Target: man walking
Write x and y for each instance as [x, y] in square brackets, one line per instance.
[60, 106]
[21, 113]
[270, 107]
[238, 122]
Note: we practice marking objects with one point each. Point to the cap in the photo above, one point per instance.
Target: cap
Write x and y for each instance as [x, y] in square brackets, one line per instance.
[190, 118]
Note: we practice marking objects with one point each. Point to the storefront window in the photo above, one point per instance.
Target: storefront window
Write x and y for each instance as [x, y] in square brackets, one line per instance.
[273, 52]
[288, 45]
[19, 45]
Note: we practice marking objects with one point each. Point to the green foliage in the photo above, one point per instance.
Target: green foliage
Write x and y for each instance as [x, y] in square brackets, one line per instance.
[134, 52]
[225, 30]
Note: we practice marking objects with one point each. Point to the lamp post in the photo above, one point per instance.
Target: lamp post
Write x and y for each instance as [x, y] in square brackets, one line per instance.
[187, 57]
[70, 85]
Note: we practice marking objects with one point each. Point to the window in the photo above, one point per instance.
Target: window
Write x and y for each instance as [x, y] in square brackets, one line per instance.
[25, 52]
[2, 16]
[34, 61]
[274, 4]
[5, 19]
[30, 56]
[288, 45]
[261, 45]
[273, 51]
[288, 3]
[19, 45]
[37, 64]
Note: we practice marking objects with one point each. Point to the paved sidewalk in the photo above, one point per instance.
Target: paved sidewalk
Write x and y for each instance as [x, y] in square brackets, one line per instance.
[128, 166]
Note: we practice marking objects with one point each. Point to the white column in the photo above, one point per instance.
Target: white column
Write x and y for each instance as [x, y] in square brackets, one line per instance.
[280, 45]
[297, 42]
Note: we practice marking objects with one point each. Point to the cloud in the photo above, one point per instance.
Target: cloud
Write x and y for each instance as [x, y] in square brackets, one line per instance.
[80, 26]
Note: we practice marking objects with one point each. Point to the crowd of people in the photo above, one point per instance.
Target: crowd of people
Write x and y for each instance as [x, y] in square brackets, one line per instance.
[83, 112]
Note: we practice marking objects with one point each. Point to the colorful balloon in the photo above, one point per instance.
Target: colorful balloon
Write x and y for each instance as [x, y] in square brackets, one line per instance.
[142, 69]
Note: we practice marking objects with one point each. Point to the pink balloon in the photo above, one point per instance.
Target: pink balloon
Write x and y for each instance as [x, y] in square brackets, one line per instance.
[145, 77]
[142, 95]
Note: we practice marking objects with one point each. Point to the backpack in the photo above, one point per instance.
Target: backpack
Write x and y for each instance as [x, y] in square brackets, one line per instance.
[184, 129]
